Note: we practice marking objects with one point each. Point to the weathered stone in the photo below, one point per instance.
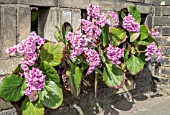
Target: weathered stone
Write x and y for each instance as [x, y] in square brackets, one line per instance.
[9, 17]
[23, 22]
[148, 21]
[51, 22]
[158, 10]
[66, 15]
[165, 51]
[165, 11]
[8, 1]
[104, 5]
[148, 1]
[5, 105]
[159, 2]
[117, 6]
[76, 16]
[9, 112]
[165, 72]
[166, 31]
[161, 21]
[165, 61]
[140, 1]
[39, 3]
[1, 39]
[163, 41]
[73, 3]
[144, 9]
[9, 65]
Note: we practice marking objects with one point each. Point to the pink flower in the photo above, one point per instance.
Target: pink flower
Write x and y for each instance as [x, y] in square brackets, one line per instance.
[114, 54]
[114, 16]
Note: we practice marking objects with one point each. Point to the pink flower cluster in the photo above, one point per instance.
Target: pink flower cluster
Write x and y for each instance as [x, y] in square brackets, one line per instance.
[28, 49]
[114, 54]
[152, 50]
[114, 16]
[92, 58]
[130, 24]
[34, 79]
[154, 33]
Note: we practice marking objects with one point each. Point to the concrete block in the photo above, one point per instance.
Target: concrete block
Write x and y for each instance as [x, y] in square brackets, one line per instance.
[9, 65]
[158, 10]
[166, 31]
[8, 26]
[23, 22]
[144, 9]
[162, 21]
[73, 3]
[165, 11]
[76, 16]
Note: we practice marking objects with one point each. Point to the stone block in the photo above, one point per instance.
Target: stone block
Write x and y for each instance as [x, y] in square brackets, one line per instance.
[166, 11]
[158, 10]
[166, 31]
[104, 5]
[66, 15]
[165, 51]
[23, 22]
[139, 1]
[8, 27]
[39, 2]
[148, 1]
[165, 61]
[163, 41]
[1, 39]
[148, 20]
[8, 1]
[144, 9]
[76, 16]
[5, 105]
[158, 2]
[9, 65]
[117, 6]
[9, 112]
[165, 72]
[162, 21]
[73, 3]
[51, 22]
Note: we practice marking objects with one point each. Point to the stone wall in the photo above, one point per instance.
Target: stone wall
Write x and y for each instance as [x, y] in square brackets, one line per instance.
[15, 25]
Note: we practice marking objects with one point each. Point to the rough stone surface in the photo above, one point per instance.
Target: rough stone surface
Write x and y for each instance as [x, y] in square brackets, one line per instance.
[165, 51]
[73, 3]
[23, 22]
[163, 41]
[76, 16]
[140, 1]
[148, 21]
[158, 11]
[66, 15]
[166, 31]
[144, 9]
[106, 5]
[9, 15]
[5, 105]
[160, 21]
[165, 61]
[9, 65]
[165, 11]
[165, 72]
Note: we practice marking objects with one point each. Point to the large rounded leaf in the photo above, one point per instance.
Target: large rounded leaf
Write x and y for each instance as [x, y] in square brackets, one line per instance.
[134, 65]
[50, 72]
[143, 32]
[53, 53]
[12, 87]
[104, 36]
[35, 108]
[51, 96]
[75, 75]
[113, 76]
[135, 13]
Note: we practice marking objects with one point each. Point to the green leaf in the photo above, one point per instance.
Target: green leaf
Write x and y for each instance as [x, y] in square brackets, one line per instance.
[58, 35]
[134, 36]
[113, 76]
[51, 96]
[147, 41]
[18, 69]
[151, 39]
[126, 54]
[143, 32]
[35, 108]
[135, 13]
[53, 53]
[117, 36]
[66, 27]
[143, 42]
[134, 65]
[50, 72]
[104, 36]
[75, 75]
[12, 87]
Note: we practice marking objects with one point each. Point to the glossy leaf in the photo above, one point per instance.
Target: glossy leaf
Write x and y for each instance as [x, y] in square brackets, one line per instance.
[143, 32]
[134, 65]
[75, 75]
[51, 96]
[50, 72]
[151, 39]
[58, 35]
[104, 36]
[126, 54]
[113, 76]
[135, 13]
[12, 87]
[134, 36]
[117, 36]
[35, 108]
[53, 53]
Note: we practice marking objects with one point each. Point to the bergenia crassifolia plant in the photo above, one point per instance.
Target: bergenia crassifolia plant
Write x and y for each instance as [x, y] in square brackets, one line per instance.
[100, 48]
